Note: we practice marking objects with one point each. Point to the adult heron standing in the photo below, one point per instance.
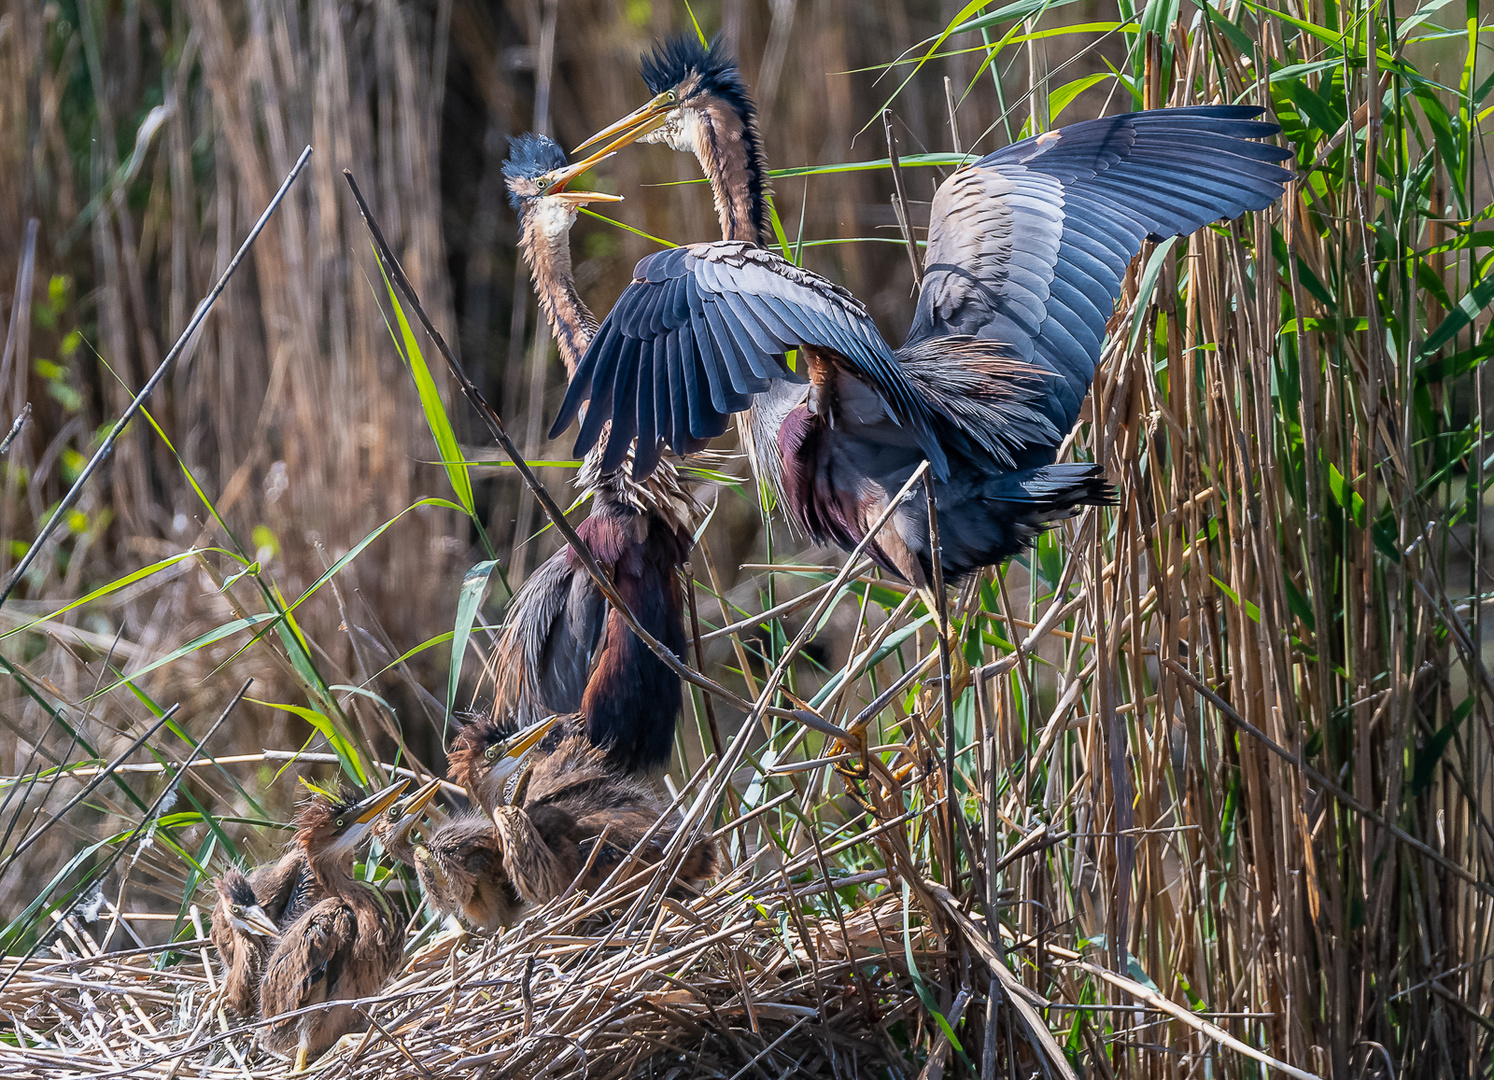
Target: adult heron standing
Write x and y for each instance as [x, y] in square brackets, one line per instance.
[564, 650]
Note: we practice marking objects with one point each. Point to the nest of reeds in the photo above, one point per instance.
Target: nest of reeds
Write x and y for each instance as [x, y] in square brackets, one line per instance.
[744, 979]
[710, 987]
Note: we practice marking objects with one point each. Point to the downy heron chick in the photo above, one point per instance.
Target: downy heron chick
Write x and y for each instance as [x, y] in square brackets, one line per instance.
[244, 934]
[343, 947]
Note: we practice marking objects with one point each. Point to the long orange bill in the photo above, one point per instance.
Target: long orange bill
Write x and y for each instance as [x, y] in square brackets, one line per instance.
[422, 798]
[634, 126]
[526, 739]
[367, 809]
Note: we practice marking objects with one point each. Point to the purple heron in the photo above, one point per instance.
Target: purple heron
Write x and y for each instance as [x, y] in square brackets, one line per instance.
[1027, 251]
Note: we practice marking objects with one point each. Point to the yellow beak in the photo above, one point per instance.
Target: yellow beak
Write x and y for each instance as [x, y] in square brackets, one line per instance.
[559, 178]
[371, 807]
[634, 126]
[421, 799]
[526, 739]
[259, 922]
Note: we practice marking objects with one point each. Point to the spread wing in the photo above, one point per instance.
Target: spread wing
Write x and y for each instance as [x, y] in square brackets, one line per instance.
[703, 328]
[1029, 245]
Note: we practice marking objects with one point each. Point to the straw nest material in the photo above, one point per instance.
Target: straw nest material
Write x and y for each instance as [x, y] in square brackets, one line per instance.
[735, 982]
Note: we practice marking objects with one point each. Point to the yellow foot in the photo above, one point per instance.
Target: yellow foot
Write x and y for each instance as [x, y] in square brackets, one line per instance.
[931, 699]
[300, 1065]
[347, 1044]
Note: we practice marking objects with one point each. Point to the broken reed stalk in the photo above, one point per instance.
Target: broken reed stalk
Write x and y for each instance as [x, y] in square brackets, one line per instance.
[162, 370]
[494, 424]
[15, 429]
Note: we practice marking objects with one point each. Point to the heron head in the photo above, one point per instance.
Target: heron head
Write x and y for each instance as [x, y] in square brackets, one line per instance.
[395, 824]
[331, 824]
[244, 912]
[539, 178]
[489, 752]
[687, 78]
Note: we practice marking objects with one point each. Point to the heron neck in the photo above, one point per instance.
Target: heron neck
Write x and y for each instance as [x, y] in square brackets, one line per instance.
[730, 154]
[333, 871]
[548, 255]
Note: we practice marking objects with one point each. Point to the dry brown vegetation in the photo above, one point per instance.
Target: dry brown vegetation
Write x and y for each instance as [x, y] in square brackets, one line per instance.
[1224, 794]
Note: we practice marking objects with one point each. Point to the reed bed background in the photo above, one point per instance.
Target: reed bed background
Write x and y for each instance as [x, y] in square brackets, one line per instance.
[1222, 800]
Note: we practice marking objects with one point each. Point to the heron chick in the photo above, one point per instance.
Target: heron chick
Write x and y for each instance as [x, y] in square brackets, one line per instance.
[244, 933]
[343, 947]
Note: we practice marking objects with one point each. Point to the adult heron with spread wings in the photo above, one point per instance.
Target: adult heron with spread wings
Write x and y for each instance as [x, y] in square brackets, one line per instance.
[1027, 251]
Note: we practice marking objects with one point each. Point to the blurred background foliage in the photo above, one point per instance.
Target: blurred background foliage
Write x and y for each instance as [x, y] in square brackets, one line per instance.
[1293, 410]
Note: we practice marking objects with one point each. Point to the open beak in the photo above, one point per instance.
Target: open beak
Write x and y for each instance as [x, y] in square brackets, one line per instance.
[632, 127]
[256, 921]
[561, 178]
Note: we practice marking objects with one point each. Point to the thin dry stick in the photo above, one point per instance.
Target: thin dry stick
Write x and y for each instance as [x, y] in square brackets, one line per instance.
[954, 123]
[107, 447]
[1177, 1012]
[710, 708]
[88, 788]
[150, 814]
[788, 607]
[15, 429]
[1017, 994]
[690, 827]
[941, 604]
[900, 202]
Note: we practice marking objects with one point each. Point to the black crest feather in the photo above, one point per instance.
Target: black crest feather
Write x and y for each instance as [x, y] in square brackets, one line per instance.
[674, 60]
[531, 156]
[235, 886]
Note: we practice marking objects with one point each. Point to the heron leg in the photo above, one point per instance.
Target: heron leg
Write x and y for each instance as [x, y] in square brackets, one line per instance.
[301, 1054]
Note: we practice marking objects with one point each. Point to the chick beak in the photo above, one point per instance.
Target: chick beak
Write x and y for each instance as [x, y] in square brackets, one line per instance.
[365, 811]
[421, 799]
[527, 738]
[560, 178]
[257, 921]
[634, 126]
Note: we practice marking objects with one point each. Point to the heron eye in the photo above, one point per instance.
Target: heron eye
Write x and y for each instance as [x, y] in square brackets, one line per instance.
[492, 753]
[673, 97]
[339, 823]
